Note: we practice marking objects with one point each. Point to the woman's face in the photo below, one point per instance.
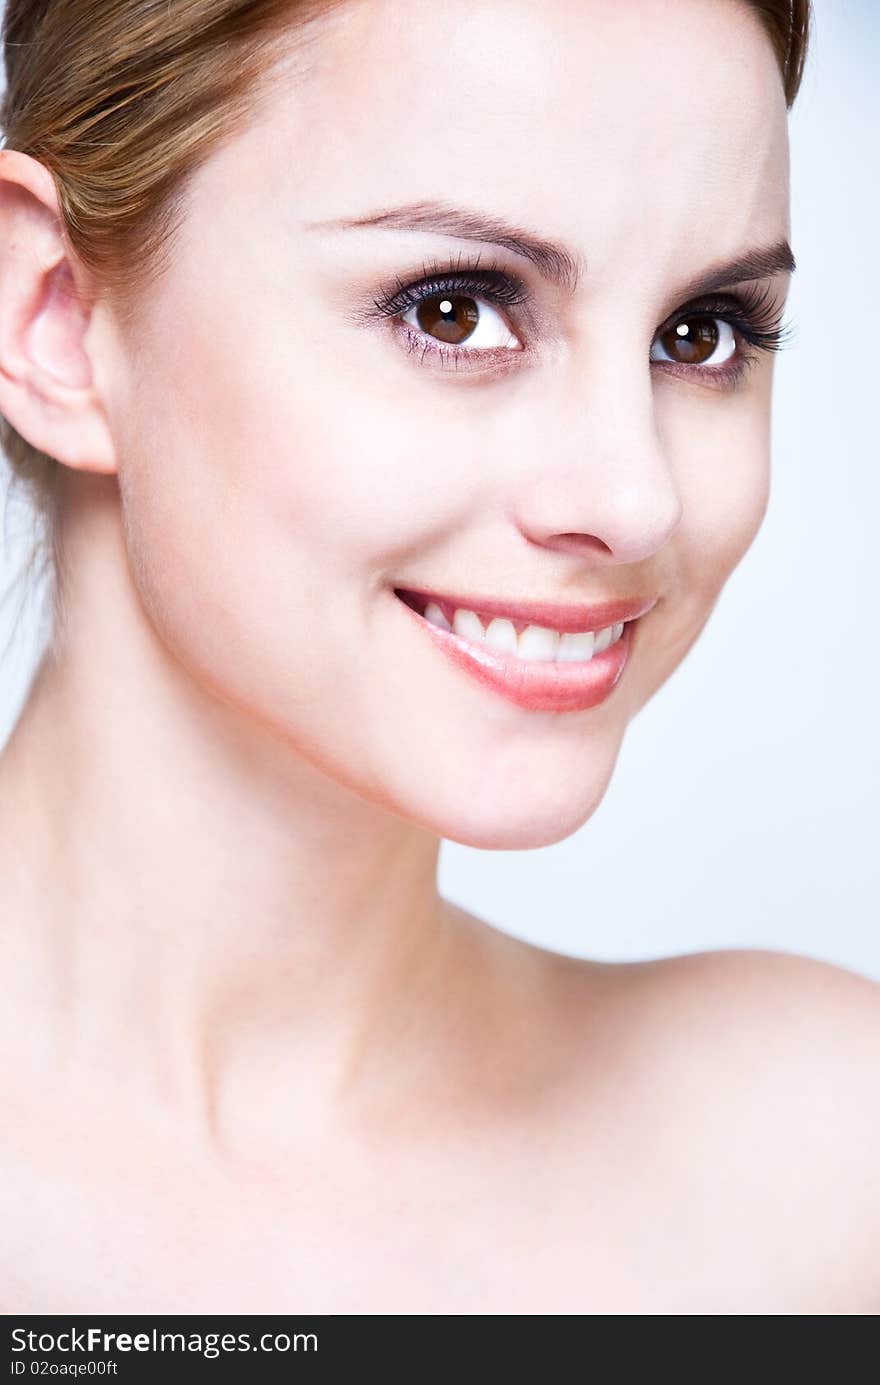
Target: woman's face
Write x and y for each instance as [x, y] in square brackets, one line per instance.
[296, 437]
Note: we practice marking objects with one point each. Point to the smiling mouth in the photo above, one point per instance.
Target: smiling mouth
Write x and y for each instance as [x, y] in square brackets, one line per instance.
[578, 638]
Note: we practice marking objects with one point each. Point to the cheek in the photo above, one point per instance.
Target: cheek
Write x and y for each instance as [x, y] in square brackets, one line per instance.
[264, 502]
[721, 458]
[722, 462]
[285, 451]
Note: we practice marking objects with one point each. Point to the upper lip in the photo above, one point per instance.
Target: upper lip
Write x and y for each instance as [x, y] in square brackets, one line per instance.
[566, 618]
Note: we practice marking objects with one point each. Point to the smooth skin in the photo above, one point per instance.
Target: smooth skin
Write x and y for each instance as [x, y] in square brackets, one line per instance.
[255, 1062]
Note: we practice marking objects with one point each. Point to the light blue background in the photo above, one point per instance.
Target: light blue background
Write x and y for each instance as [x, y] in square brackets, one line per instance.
[744, 810]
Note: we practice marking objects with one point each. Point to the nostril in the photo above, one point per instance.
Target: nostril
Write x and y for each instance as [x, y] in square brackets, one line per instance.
[589, 545]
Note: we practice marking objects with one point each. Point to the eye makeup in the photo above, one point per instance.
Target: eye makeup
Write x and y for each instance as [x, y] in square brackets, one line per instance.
[754, 315]
[752, 312]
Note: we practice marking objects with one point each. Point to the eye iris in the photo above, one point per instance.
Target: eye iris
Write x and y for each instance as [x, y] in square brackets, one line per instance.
[694, 340]
[448, 318]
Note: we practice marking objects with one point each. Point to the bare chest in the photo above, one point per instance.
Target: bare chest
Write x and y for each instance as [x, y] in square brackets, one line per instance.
[484, 1234]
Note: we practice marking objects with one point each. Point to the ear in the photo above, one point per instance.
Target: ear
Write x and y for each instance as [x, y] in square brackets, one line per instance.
[47, 389]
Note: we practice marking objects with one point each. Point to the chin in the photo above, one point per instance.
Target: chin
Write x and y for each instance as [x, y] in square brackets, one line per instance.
[502, 822]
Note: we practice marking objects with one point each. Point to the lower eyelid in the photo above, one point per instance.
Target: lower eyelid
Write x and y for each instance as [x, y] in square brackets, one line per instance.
[502, 359]
[724, 377]
[420, 343]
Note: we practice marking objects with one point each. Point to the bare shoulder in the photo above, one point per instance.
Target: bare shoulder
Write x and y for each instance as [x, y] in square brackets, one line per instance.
[768, 1063]
[800, 1034]
[797, 998]
[812, 1022]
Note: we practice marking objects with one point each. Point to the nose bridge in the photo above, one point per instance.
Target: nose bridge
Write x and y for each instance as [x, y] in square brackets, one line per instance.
[602, 477]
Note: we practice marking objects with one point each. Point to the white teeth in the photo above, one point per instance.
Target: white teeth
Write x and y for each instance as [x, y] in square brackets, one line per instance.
[434, 614]
[536, 644]
[500, 634]
[575, 648]
[469, 626]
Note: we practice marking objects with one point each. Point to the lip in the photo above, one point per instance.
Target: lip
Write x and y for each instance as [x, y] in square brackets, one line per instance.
[565, 618]
[539, 685]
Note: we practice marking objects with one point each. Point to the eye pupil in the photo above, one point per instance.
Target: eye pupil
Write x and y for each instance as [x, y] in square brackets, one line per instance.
[694, 340]
[448, 319]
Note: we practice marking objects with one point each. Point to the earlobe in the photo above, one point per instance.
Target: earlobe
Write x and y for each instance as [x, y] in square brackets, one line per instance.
[47, 389]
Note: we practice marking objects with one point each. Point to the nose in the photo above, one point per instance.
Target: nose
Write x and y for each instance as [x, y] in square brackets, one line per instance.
[602, 486]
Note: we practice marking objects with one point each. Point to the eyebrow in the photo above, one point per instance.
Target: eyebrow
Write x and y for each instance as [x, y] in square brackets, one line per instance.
[555, 261]
[754, 264]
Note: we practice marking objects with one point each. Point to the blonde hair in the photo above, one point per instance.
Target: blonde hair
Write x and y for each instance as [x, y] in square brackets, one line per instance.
[123, 99]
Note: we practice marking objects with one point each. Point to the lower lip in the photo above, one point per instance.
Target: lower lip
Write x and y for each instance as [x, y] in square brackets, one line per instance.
[537, 685]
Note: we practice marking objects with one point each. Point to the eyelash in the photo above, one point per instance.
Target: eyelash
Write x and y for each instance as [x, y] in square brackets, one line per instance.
[751, 312]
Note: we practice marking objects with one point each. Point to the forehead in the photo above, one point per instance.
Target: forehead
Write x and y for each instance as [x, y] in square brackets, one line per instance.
[641, 128]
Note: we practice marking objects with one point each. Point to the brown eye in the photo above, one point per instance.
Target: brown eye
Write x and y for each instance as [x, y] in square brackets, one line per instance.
[450, 319]
[695, 341]
[459, 320]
